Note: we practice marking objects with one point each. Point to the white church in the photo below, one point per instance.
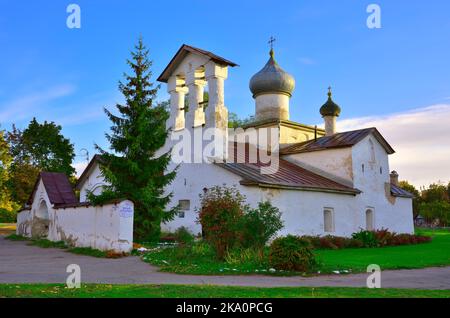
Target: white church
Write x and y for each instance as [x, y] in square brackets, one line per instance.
[324, 182]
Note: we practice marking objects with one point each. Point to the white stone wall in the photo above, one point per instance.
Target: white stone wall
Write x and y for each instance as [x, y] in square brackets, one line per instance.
[302, 211]
[24, 223]
[336, 164]
[390, 212]
[107, 227]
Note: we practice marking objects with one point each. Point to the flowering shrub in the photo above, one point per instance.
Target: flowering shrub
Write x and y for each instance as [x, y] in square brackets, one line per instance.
[379, 238]
[220, 215]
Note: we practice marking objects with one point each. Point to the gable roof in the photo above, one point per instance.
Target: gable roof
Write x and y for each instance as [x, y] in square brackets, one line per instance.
[339, 140]
[58, 188]
[97, 158]
[181, 54]
[288, 175]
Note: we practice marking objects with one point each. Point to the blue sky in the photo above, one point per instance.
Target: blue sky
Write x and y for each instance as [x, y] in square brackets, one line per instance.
[67, 75]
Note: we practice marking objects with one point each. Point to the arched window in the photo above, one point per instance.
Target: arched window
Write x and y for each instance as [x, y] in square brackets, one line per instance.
[370, 225]
[42, 212]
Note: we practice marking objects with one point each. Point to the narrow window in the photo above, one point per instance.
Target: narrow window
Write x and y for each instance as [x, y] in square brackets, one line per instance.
[328, 220]
[362, 168]
[369, 220]
[381, 170]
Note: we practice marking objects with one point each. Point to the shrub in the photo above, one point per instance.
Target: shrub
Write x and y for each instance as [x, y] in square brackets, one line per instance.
[239, 256]
[367, 238]
[291, 253]
[183, 236]
[220, 216]
[260, 225]
[384, 237]
[7, 216]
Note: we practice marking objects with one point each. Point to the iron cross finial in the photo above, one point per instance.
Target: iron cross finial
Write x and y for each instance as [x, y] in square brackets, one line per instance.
[271, 40]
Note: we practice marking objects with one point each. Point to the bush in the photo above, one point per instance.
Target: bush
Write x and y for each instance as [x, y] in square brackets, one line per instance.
[183, 236]
[260, 225]
[7, 216]
[367, 238]
[239, 256]
[220, 216]
[291, 253]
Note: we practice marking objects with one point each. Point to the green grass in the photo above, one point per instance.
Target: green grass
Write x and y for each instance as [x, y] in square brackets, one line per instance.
[48, 244]
[199, 260]
[15, 237]
[88, 251]
[207, 291]
[436, 253]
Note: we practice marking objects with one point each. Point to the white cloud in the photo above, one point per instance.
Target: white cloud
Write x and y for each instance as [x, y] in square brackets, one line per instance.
[20, 108]
[421, 138]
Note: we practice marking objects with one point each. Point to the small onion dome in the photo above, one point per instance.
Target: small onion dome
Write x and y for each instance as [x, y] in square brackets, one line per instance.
[330, 108]
[272, 79]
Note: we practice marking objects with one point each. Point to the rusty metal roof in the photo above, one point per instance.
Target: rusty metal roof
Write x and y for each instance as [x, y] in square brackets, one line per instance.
[288, 175]
[339, 140]
[181, 54]
[396, 191]
[58, 188]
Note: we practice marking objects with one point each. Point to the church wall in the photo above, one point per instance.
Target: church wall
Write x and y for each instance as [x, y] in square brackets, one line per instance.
[302, 211]
[290, 135]
[331, 163]
[371, 176]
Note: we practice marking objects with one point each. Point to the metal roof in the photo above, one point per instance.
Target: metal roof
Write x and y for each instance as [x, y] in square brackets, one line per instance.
[58, 188]
[339, 140]
[181, 54]
[288, 175]
[396, 191]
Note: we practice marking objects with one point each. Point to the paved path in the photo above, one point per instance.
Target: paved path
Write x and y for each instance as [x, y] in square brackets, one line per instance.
[20, 263]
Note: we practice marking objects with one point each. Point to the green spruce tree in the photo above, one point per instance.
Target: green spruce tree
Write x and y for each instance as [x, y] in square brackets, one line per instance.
[133, 169]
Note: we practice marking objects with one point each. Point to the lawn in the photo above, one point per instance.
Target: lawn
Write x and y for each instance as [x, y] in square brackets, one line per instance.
[7, 228]
[199, 260]
[436, 253]
[208, 291]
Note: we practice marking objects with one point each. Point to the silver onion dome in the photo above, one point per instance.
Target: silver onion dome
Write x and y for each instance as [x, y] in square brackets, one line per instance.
[272, 79]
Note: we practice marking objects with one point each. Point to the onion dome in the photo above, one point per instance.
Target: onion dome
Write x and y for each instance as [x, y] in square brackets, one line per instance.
[330, 108]
[272, 79]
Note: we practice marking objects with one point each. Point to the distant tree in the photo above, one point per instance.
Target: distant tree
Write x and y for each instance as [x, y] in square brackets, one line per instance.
[435, 192]
[234, 121]
[405, 185]
[139, 174]
[5, 162]
[40, 147]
